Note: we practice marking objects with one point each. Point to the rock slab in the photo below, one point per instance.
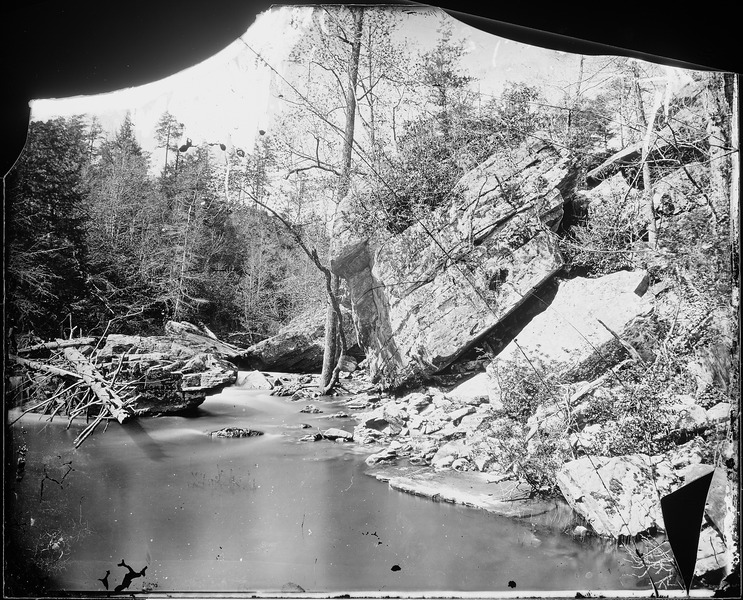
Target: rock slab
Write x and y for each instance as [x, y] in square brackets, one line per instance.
[425, 296]
[575, 336]
[615, 495]
[506, 498]
[298, 346]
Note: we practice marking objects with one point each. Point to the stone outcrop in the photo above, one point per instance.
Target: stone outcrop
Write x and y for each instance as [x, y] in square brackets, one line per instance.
[298, 347]
[424, 297]
[636, 483]
[171, 374]
[254, 380]
[578, 334]
[505, 498]
[621, 496]
[615, 495]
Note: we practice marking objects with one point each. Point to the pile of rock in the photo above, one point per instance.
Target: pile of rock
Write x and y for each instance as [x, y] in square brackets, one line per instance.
[426, 426]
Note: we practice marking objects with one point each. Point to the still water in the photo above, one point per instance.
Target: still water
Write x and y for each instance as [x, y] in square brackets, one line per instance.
[259, 513]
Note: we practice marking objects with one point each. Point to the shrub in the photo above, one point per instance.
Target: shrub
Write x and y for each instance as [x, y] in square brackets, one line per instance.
[522, 391]
[608, 240]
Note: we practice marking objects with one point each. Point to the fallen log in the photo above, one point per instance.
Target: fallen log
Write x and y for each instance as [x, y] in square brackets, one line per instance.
[39, 366]
[209, 332]
[150, 356]
[59, 344]
[98, 384]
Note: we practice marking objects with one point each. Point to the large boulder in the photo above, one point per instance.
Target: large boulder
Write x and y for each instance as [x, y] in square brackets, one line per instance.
[621, 496]
[298, 346]
[169, 374]
[617, 496]
[579, 334]
[425, 296]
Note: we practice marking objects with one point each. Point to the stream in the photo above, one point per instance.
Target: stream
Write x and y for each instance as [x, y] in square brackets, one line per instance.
[269, 513]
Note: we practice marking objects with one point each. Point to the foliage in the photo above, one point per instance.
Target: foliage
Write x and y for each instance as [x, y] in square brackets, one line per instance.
[522, 391]
[443, 79]
[99, 243]
[45, 214]
[519, 113]
[535, 461]
[610, 239]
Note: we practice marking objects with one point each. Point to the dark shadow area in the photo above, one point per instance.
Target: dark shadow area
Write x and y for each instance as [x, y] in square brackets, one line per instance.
[683, 511]
[129, 576]
[509, 327]
[143, 440]
[22, 576]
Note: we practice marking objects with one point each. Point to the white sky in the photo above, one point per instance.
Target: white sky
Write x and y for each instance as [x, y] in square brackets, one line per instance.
[226, 98]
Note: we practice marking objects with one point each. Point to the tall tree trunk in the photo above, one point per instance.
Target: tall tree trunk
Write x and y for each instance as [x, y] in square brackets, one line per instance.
[182, 275]
[648, 123]
[167, 147]
[647, 182]
[333, 320]
[733, 83]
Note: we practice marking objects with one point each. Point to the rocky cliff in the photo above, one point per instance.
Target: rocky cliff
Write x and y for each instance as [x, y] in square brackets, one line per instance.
[423, 298]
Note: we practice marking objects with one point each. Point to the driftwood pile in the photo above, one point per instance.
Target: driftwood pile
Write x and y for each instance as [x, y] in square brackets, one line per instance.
[64, 378]
[119, 377]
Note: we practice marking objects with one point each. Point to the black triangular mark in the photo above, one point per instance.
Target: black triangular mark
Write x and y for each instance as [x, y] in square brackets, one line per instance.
[683, 511]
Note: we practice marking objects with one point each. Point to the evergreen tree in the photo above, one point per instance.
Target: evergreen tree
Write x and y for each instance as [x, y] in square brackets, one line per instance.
[122, 230]
[46, 246]
[168, 133]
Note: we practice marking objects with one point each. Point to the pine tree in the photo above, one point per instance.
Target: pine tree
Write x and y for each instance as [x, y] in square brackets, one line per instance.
[46, 246]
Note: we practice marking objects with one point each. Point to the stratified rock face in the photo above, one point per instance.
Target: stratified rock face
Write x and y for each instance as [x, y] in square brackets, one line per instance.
[424, 297]
[299, 346]
[170, 375]
[576, 333]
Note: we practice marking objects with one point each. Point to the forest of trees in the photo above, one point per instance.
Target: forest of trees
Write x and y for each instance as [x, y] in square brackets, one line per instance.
[97, 240]
[96, 237]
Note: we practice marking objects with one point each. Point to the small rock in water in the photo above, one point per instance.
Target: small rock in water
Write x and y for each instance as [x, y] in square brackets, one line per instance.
[235, 432]
[254, 380]
[302, 394]
[339, 415]
[310, 409]
[461, 464]
[384, 456]
[313, 437]
[338, 435]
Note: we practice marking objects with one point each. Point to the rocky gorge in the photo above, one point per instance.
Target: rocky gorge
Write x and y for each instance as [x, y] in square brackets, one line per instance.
[497, 374]
[365, 260]
[490, 363]
[488, 375]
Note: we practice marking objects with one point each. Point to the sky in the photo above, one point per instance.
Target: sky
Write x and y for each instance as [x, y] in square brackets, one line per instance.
[227, 98]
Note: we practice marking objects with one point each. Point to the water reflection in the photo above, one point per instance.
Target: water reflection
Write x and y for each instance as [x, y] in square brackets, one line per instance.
[253, 514]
